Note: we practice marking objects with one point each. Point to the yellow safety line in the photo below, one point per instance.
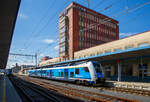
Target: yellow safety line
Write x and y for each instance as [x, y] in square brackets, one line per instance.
[4, 92]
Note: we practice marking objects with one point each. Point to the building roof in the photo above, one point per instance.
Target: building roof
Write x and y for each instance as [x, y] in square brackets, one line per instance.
[8, 15]
[74, 3]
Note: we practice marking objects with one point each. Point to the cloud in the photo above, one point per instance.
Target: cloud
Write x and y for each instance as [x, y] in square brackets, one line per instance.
[22, 16]
[56, 47]
[21, 49]
[48, 41]
[11, 57]
[41, 55]
[122, 35]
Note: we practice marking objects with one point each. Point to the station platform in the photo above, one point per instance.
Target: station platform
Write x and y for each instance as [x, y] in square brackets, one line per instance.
[134, 85]
[7, 90]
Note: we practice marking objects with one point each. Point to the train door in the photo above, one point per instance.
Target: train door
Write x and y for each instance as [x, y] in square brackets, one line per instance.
[66, 73]
[50, 73]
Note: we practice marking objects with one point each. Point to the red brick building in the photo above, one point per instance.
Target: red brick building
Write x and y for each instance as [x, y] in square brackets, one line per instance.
[81, 27]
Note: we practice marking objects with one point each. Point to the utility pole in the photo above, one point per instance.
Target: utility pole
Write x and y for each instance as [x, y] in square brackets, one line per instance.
[88, 3]
[26, 55]
[36, 59]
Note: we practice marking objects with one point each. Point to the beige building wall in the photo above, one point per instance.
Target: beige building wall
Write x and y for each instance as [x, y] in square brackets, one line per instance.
[133, 41]
[50, 61]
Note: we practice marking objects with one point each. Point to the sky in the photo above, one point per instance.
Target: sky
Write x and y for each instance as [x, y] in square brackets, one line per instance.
[36, 29]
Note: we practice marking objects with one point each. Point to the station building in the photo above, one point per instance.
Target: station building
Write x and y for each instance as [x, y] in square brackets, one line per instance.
[81, 28]
[131, 54]
[87, 35]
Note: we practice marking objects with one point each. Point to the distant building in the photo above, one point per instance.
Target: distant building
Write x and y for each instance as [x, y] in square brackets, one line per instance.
[50, 61]
[81, 27]
[21, 69]
[45, 58]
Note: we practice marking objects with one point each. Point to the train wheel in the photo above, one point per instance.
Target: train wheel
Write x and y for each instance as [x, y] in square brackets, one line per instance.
[86, 83]
[77, 82]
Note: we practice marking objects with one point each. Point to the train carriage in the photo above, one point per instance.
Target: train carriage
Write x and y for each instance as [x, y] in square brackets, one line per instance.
[87, 73]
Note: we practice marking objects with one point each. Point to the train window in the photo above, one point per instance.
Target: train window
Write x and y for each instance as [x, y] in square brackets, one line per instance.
[61, 74]
[66, 74]
[76, 71]
[71, 74]
[86, 69]
[47, 73]
[50, 73]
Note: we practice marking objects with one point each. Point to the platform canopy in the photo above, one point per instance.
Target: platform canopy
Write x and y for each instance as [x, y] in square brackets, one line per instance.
[140, 52]
[8, 15]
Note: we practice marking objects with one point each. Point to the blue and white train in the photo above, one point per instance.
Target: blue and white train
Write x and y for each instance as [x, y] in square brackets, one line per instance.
[87, 73]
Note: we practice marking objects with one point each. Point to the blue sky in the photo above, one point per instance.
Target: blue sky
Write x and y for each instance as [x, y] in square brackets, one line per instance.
[36, 29]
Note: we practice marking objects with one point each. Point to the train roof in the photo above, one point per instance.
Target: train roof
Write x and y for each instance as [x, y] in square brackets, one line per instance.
[65, 63]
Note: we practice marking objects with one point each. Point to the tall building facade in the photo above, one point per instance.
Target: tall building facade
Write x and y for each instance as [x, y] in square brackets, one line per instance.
[81, 27]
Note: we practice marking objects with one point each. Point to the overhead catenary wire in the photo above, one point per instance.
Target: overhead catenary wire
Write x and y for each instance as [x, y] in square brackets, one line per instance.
[101, 2]
[109, 6]
[68, 0]
[37, 25]
[50, 19]
[48, 22]
[120, 14]
[69, 27]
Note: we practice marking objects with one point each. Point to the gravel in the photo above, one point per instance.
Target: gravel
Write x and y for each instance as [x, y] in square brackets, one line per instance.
[112, 93]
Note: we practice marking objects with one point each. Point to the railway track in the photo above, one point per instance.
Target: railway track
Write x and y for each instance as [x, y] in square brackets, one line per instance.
[74, 92]
[127, 90]
[122, 90]
[33, 93]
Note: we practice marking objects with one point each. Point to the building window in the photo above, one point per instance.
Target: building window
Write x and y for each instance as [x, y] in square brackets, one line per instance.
[62, 48]
[108, 51]
[62, 39]
[99, 53]
[129, 47]
[143, 44]
[117, 50]
[76, 71]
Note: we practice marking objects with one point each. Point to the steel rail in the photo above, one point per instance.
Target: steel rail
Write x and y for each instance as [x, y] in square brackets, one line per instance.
[27, 88]
[79, 93]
